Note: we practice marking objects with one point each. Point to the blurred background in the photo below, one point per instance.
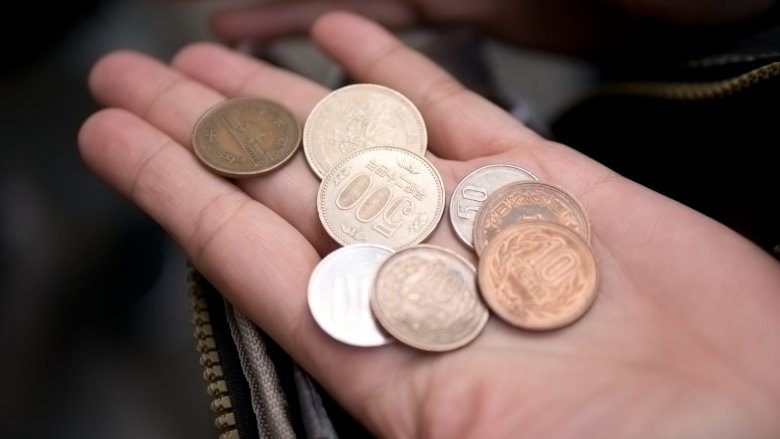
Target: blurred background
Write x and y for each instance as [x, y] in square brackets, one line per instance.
[95, 329]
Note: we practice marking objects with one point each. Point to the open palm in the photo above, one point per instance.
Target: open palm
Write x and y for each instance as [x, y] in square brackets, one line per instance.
[680, 342]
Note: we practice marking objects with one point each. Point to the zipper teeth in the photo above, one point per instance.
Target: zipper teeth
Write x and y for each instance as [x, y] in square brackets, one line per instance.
[216, 386]
[695, 91]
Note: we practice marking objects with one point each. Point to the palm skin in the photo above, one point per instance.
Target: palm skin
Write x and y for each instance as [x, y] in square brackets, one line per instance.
[680, 342]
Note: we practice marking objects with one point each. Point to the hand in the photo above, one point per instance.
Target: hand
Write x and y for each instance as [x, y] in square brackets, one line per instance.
[562, 25]
[680, 342]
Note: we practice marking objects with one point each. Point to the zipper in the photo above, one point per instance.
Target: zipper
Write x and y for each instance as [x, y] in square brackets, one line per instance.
[693, 91]
[216, 384]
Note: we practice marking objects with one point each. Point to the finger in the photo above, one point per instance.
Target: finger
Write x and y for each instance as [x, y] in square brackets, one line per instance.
[254, 258]
[173, 102]
[279, 19]
[238, 75]
[461, 124]
[242, 75]
[241, 246]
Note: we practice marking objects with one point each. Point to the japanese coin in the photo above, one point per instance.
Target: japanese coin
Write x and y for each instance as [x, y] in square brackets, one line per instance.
[426, 297]
[360, 116]
[340, 292]
[474, 189]
[538, 275]
[527, 201]
[242, 137]
[382, 195]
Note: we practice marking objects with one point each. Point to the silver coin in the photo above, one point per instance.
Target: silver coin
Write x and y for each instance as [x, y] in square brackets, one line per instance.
[339, 294]
[382, 195]
[359, 116]
[426, 297]
[474, 189]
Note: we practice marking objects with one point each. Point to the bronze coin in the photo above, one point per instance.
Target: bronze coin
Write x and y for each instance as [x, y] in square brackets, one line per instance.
[538, 275]
[528, 201]
[426, 297]
[242, 137]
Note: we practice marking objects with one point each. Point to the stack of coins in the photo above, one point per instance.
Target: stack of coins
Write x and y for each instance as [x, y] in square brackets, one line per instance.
[536, 267]
[380, 199]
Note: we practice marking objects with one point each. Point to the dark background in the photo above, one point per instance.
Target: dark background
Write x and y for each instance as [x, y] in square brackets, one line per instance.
[95, 332]
[95, 335]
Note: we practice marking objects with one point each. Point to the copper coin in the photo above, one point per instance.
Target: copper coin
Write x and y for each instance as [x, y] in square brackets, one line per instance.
[360, 116]
[426, 297]
[382, 195]
[474, 189]
[538, 275]
[242, 137]
[340, 291]
[528, 201]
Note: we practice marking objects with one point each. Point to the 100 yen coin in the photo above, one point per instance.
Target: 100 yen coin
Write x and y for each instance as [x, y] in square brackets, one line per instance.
[426, 297]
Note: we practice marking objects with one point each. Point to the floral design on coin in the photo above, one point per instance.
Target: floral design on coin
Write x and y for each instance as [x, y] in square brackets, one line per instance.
[528, 201]
[474, 189]
[242, 137]
[360, 116]
[538, 275]
[426, 297]
[382, 195]
[340, 292]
